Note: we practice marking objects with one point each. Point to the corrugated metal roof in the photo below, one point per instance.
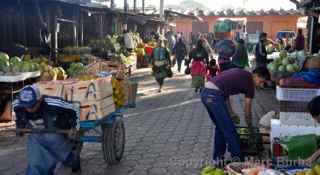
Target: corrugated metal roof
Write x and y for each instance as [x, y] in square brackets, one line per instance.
[235, 13]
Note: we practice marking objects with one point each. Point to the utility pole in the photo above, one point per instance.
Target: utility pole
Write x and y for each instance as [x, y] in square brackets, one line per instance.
[125, 5]
[161, 10]
[134, 5]
[142, 6]
[125, 27]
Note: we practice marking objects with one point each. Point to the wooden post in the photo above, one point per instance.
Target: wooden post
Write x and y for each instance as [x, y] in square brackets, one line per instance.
[81, 29]
[75, 37]
[101, 26]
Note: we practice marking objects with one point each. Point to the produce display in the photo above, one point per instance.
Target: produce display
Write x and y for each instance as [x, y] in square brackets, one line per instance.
[16, 65]
[300, 147]
[118, 92]
[76, 50]
[211, 170]
[108, 43]
[283, 64]
[76, 70]
[315, 170]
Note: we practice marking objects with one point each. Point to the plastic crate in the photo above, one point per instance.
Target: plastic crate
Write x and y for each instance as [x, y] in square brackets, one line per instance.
[297, 119]
[251, 142]
[293, 106]
[296, 94]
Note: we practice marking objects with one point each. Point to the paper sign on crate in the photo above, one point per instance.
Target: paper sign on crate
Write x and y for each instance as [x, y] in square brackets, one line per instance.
[96, 109]
[84, 91]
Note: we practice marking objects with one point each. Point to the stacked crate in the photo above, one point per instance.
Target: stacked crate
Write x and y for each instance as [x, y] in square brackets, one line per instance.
[94, 96]
[294, 116]
[293, 105]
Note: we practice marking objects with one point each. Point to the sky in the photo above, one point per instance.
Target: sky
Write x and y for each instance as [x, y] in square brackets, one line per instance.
[222, 4]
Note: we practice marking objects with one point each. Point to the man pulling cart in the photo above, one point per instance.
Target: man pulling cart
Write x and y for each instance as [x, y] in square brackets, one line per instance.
[46, 150]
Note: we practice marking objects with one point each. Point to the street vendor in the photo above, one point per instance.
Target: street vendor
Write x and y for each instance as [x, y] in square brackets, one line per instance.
[45, 151]
[314, 109]
[215, 97]
[161, 63]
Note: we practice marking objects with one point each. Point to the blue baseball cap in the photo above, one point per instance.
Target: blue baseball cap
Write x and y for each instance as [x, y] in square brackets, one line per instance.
[29, 96]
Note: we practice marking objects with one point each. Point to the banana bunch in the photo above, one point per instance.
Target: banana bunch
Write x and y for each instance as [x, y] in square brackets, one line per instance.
[118, 92]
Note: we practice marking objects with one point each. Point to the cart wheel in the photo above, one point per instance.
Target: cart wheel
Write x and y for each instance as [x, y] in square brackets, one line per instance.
[113, 141]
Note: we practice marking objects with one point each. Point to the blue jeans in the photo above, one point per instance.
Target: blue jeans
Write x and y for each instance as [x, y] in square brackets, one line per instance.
[225, 132]
[44, 151]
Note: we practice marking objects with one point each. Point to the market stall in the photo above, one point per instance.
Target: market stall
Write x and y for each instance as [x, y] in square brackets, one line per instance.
[14, 75]
[293, 134]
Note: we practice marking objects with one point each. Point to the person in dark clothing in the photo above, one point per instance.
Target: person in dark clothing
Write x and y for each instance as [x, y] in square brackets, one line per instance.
[215, 97]
[45, 151]
[300, 41]
[261, 51]
[212, 69]
[180, 52]
[314, 110]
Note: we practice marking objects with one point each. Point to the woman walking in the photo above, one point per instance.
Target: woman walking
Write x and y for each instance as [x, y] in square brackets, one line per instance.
[200, 58]
[161, 63]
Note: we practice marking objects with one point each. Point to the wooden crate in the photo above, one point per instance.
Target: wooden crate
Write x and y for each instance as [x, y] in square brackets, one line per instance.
[54, 88]
[96, 109]
[99, 66]
[91, 90]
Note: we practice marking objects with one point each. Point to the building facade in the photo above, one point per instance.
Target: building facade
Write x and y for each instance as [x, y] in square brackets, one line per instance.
[268, 22]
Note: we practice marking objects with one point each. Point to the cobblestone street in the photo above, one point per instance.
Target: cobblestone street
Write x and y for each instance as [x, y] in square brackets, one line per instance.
[167, 133]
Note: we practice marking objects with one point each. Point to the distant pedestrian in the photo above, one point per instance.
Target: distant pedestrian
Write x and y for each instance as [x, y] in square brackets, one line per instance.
[180, 52]
[161, 63]
[300, 41]
[261, 51]
[212, 69]
[240, 58]
[199, 58]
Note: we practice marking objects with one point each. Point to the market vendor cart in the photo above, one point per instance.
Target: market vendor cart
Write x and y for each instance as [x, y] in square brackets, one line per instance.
[109, 131]
[99, 120]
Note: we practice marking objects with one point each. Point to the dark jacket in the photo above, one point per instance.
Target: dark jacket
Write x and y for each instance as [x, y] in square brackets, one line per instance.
[299, 45]
[199, 54]
[53, 113]
[261, 53]
[180, 50]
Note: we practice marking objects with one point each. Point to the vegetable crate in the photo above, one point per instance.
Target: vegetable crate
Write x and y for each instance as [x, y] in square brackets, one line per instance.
[251, 141]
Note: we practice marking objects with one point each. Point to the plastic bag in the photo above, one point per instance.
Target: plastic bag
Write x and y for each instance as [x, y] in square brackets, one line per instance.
[300, 147]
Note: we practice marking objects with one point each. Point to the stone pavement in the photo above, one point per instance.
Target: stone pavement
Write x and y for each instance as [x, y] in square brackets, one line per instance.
[167, 133]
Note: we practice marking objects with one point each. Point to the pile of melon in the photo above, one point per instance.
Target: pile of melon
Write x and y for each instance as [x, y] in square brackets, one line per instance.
[284, 64]
[16, 65]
